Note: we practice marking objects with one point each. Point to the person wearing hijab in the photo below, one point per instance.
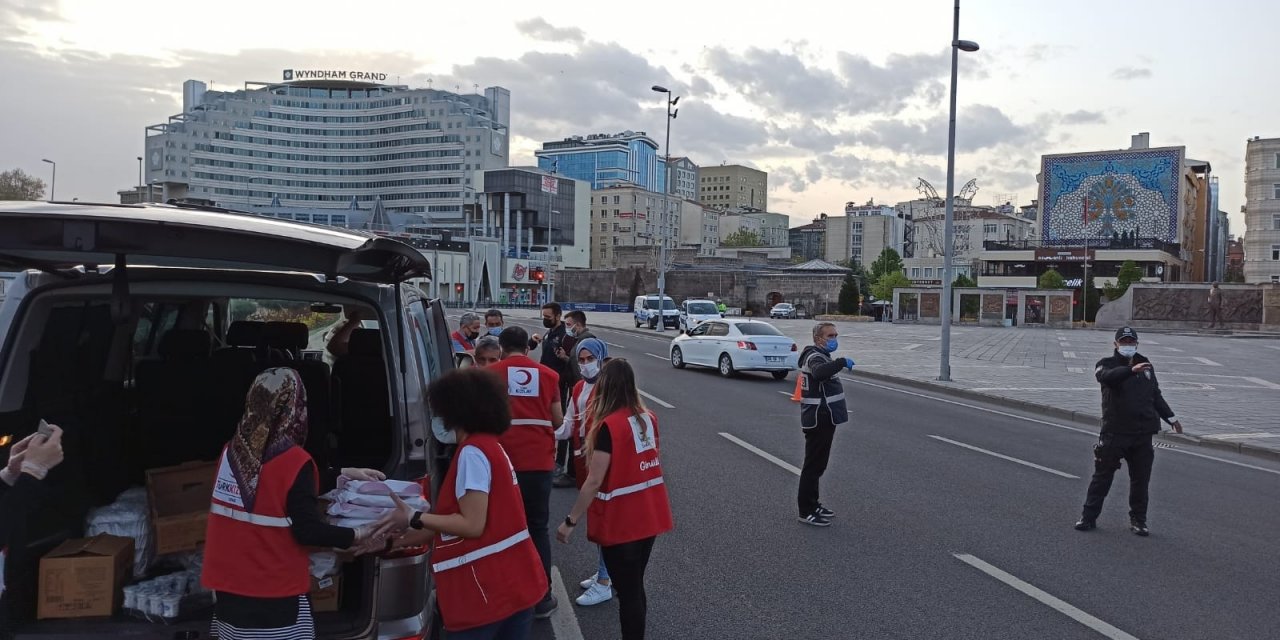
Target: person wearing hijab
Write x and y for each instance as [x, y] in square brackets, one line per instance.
[264, 515]
[591, 356]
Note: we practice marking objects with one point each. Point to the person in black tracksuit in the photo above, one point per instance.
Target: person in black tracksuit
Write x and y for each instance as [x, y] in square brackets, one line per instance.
[822, 409]
[1132, 408]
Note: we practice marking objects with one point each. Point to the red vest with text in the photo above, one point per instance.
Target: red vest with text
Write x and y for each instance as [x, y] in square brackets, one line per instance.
[531, 389]
[632, 503]
[482, 580]
[579, 398]
[253, 553]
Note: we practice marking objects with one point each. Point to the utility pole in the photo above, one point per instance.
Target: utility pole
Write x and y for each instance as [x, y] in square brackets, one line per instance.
[666, 209]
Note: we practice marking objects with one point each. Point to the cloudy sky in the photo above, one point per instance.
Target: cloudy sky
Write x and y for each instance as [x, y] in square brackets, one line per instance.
[840, 100]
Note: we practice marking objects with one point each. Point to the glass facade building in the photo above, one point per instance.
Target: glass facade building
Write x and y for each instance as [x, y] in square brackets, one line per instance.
[330, 143]
[606, 160]
[550, 216]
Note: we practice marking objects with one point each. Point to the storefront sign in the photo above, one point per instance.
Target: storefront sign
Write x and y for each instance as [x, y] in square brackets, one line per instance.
[1063, 255]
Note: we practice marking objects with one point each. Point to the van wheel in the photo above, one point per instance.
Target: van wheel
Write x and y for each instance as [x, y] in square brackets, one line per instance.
[677, 358]
[653, 323]
[726, 366]
[637, 323]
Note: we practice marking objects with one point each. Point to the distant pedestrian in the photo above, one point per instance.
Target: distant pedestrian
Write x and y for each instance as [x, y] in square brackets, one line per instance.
[1215, 306]
[1132, 407]
[624, 496]
[822, 409]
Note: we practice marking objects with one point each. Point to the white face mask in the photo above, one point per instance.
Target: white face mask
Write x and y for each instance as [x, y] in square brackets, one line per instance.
[1127, 351]
[590, 369]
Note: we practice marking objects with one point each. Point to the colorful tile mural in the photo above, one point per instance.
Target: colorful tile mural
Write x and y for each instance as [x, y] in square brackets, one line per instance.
[1106, 195]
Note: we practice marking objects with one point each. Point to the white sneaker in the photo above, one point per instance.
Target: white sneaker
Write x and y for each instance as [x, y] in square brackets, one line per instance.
[586, 584]
[595, 594]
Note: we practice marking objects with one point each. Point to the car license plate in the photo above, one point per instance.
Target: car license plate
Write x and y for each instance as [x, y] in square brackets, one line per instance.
[774, 358]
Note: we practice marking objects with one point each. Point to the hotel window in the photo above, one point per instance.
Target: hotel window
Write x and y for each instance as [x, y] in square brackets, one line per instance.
[1278, 160]
[1275, 191]
[1275, 252]
[1275, 221]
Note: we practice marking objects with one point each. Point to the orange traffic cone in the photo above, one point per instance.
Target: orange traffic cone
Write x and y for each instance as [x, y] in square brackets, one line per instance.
[795, 395]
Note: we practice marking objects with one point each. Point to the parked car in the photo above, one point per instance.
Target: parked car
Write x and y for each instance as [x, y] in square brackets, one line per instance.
[647, 313]
[731, 345]
[783, 310]
[139, 330]
[695, 312]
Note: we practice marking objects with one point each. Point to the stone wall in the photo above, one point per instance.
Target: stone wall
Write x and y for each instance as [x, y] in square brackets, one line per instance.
[746, 289]
[1186, 306]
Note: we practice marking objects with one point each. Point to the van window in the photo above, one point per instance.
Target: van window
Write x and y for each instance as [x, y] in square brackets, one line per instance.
[703, 309]
[154, 321]
[652, 303]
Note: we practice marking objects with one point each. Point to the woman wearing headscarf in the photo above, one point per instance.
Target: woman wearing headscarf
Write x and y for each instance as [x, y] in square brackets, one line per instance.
[264, 515]
[624, 495]
[592, 354]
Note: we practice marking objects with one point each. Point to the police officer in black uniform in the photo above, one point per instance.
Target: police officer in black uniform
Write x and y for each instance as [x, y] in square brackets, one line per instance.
[1132, 408]
[822, 409]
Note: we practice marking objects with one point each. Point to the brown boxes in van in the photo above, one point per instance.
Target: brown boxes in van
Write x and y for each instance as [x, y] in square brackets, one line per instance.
[179, 498]
[82, 578]
[325, 593]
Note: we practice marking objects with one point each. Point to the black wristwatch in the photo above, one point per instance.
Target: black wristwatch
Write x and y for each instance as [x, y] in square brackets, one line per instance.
[568, 520]
[416, 521]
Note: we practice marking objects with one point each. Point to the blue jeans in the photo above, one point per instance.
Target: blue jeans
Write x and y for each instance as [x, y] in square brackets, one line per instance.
[517, 627]
[602, 573]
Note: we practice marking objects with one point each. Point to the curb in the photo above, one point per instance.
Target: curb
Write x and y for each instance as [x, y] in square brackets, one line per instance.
[1078, 417]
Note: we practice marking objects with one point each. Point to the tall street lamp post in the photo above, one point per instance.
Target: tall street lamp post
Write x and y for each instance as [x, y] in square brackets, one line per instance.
[53, 183]
[957, 45]
[666, 208]
[139, 177]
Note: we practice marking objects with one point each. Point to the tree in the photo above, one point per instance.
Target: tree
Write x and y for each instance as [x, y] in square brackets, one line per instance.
[970, 305]
[1130, 273]
[963, 281]
[18, 185]
[1051, 279]
[1095, 302]
[743, 238]
[883, 288]
[849, 295]
[888, 262]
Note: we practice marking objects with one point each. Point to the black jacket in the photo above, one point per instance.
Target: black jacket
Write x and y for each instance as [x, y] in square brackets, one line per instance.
[820, 387]
[1131, 402]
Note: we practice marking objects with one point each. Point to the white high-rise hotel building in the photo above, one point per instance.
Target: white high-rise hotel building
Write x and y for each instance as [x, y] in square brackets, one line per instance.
[323, 139]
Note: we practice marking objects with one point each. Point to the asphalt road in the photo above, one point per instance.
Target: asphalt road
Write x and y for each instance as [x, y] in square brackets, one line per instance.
[935, 537]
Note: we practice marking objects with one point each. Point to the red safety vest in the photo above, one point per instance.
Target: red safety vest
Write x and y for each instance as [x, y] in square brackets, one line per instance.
[531, 389]
[579, 399]
[253, 553]
[632, 503]
[482, 580]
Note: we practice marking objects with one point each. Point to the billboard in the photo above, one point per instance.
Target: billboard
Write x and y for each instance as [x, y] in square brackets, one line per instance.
[1115, 194]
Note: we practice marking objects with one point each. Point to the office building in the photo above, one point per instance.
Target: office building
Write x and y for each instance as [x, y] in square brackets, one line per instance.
[627, 216]
[329, 139]
[808, 242]
[1262, 211]
[604, 160]
[699, 228]
[684, 178]
[733, 187]
[863, 233]
[529, 210]
[770, 228]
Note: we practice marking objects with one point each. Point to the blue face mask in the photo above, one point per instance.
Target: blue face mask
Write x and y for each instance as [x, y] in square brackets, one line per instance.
[833, 344]
[495, 331]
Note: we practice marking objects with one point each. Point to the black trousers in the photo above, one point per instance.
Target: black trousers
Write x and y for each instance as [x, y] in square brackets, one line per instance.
[626, 564]
[1134, 450]
[535, 488]
[817, 451]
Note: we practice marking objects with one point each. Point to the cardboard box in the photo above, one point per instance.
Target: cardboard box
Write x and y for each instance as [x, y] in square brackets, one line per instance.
[325, 593]
[82, 578]
[179, 498]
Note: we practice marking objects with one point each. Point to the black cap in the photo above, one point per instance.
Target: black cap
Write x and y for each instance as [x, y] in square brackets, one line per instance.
[1124, 333]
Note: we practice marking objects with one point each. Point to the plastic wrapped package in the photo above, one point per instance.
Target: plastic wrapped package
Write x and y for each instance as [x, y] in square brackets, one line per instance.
[402, 488]
[128, 516]
[324, 564]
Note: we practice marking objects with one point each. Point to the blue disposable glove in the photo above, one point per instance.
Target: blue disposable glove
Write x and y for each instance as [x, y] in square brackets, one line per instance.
[848, 363]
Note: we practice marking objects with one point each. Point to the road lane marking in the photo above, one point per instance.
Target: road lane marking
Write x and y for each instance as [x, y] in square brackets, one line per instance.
[564, 622]
[615, 345]
[1004, 457]
[1075, 369]
[911, 347]
[654, 355]
[1263, 383]
[1206, 361]
[1238, 464]
[971, 406]
[1070, 355]
[1045, 598]
[655, 399]
[761, 452]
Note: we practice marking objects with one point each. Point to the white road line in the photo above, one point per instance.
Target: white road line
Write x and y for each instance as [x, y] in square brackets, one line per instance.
[1263, 383]
[761, 452]
[655, 399]
[1227, 436]
[911, 347]
[1045, 598]
[1271, 346]
[1238, 464]
[971, 406]
[1206, 361]
[786, 393]
[1173, 349]
[654, 355]
[1075, 369]
[1070, 355]
[615, 345]
[564, 622]
[1004, 457]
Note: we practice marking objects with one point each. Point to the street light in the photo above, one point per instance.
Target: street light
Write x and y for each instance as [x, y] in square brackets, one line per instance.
[957, 45]
[666, 208]
[139, 177]
[53, 183]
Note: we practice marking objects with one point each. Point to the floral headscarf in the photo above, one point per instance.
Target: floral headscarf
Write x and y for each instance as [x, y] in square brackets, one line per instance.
[275, 419]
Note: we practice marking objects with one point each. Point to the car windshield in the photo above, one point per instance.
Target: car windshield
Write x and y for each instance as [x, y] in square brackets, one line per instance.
[652, 303]
[782, 306]
[757, 329]
[703, 308]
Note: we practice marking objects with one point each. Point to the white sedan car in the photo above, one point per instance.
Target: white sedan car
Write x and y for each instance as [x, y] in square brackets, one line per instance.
[731, 345]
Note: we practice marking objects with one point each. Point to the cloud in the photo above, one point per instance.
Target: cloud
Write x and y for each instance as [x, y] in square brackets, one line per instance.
[540, 29]
[979, 127]
[1084, 117]
[1131, 73]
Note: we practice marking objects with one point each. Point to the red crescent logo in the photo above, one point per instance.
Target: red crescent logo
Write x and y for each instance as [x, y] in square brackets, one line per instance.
[528, 377]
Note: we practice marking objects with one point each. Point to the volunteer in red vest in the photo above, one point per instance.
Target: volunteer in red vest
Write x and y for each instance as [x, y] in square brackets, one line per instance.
[624, 497]
[592, 354]
[533, 392]
[487, 571]
[464, 339]
[264, 515]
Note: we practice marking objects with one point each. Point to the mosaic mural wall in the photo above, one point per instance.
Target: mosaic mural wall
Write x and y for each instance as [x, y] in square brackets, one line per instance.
[1111, 195]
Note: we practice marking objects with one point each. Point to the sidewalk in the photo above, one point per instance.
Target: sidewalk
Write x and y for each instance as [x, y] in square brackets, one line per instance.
[1225, 391]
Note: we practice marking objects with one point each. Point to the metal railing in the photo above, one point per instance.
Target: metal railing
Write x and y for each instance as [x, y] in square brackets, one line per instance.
[1171, 248]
